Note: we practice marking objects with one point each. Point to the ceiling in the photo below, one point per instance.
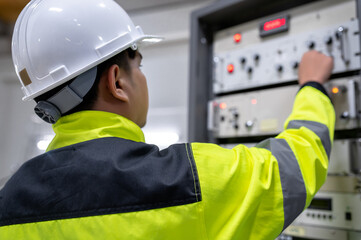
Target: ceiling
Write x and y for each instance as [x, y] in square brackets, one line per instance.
[10, 9]
[134, 5]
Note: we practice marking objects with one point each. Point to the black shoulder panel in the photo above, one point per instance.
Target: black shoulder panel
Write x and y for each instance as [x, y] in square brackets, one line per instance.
[102, 176]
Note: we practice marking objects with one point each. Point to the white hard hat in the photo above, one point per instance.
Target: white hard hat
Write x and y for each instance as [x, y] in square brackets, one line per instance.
[55, 41]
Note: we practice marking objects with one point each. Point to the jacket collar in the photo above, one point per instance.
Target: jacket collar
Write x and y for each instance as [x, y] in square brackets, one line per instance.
[88, 125]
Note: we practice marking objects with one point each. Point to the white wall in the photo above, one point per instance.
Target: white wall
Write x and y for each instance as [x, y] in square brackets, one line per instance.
[165, 65]
[20, 130]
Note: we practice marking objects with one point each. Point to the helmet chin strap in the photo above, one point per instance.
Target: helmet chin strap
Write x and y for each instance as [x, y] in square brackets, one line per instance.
[67, 98]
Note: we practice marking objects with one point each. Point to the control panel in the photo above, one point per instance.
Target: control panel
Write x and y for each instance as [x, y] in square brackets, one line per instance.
[333, 210]
[266, 52]
[277, 60]
[345, 158]
[263, 112]
[309, 232]
[254, 83]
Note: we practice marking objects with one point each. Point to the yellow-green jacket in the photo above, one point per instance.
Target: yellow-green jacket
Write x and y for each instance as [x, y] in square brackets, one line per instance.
[99, 180]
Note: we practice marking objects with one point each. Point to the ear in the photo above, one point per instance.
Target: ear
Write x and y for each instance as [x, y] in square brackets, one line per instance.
[117, 79]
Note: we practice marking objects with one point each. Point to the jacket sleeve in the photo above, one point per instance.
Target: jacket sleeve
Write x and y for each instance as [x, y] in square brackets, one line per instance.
[255, 193]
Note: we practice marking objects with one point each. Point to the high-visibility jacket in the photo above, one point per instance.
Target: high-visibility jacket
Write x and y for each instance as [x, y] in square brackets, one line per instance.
[99, 180]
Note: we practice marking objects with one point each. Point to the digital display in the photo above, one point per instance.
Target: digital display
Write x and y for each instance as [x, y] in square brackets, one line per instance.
[321, 204]
[277, 23]
[274, 25]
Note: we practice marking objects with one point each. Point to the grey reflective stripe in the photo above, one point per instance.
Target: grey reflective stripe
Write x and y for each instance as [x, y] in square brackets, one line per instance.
[293, 186]
[320, 129]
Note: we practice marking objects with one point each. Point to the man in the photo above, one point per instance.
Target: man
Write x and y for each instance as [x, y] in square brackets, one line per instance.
[99, 180]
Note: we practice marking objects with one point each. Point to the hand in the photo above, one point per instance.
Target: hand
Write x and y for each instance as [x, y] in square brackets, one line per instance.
[315, 67]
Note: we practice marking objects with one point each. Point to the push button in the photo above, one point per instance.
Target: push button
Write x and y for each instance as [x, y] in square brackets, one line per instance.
[243, 60]
[279, 68]
[295, 65]
[250, 70]
[328, 40]
[311, 44]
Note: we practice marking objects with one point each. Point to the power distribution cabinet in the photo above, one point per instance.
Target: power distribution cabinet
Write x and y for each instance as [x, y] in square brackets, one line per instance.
[243, 79]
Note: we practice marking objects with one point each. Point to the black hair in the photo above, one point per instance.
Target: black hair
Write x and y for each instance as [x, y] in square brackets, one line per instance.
[121, 59]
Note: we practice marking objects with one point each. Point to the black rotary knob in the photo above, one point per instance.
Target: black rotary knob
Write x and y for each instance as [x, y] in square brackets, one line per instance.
[249, 70]
[311, 44]
[243, 60]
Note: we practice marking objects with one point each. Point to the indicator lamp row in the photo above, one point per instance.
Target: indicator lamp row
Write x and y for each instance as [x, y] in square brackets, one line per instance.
[279, 67]
[310, 44]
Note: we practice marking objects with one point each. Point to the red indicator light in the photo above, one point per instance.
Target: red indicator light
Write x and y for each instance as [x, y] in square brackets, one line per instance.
[237, 37]
[230, 68]
[254, 101]
[274, 24]
[222, 106]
